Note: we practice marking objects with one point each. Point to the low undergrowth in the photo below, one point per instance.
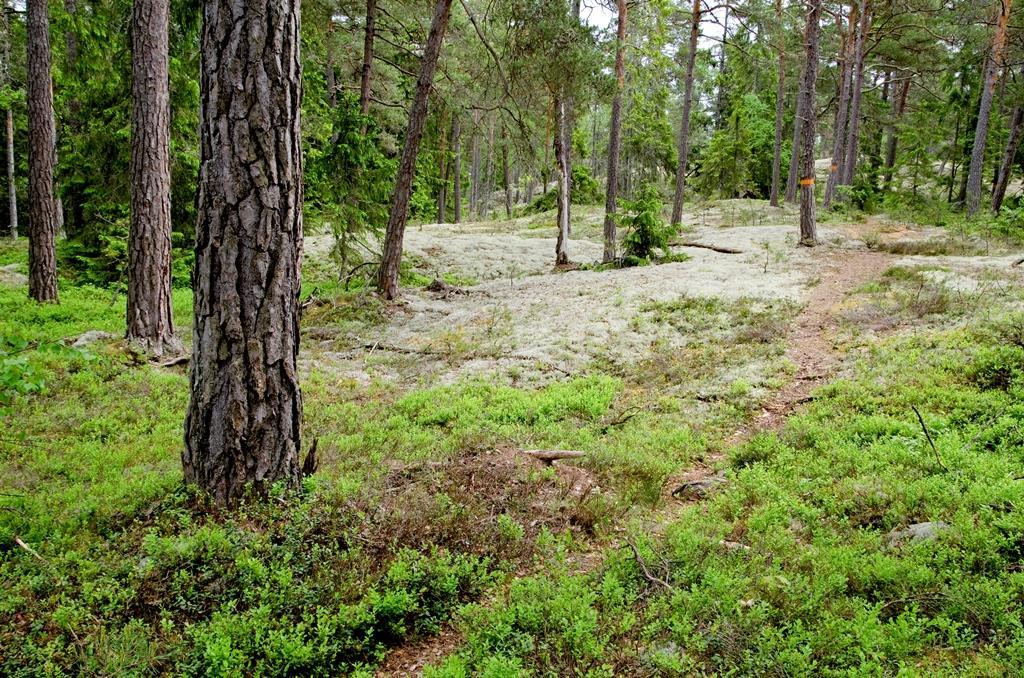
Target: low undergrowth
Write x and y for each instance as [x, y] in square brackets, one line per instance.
[795, 565]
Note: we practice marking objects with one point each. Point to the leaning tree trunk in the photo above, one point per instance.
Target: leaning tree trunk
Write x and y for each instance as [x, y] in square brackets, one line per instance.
[684, 123]
[387, 278]
[853, 128]
[808, 227]
[615, 137]
[780, 110]
[243, 421]
[457, 168]
[985, 109]
[1011, 153]
[842, 109]
[562, 160]
[149, 318]
[43, 208]
[893, 141]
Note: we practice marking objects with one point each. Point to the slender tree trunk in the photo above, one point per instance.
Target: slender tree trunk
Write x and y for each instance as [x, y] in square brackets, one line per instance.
[506, 174]
[562, 160]
[457, 167]
[993, 64]
[366, 75]
[474, 167]
[890, 150]
[780, 112]
[442, 194]
[720, 103]
[615, 136]
[387, 281]
[808, 226]
[798, 124]
[149, 319]
[244, 417]
[43, 208]
[1011, 153]
[842, 108]
[853, 127]
[12, 191]
[876, 142]
[684, 123]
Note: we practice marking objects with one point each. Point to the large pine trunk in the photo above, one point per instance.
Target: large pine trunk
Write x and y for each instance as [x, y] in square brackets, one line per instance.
[842, 109]
[243, 421]
[615, 137]
[893, 140]
[684, 123]
[149, 317]
[993, 64]
[562, 160]
[387, 278]
[808, 226]
[1006, 168]
[43, 208]
[780, 112]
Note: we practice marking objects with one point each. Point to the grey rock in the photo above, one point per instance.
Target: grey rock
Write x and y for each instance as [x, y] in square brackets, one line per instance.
[916, 533]
[9, 275]
[91, 337]
[700, 489]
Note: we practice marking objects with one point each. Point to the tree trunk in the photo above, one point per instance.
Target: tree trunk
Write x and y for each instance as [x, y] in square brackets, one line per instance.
[684, 123]
[562, 160]
[794, 157]
[506, 174]
[985, 108]
[808, 227]
[1011, 153]
[853, 127]
[387, 280]
[442, 194]
[474, 167]
[780, 105]
[149, 318]
[366, 75]
[615, 137]
[43, 209]
[842, 108]
[890, 150]
[12, 191]
[243, 423]
[457, 167]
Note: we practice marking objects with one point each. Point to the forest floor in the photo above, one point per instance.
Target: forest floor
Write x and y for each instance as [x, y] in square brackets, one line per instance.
[759, 429]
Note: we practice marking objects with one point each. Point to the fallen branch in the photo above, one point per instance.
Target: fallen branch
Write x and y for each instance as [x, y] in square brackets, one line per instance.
[551, 456]
[643, 567]
[1018, 262]
[713, 248]
[176, 360]
[31, 550]
[928, 435]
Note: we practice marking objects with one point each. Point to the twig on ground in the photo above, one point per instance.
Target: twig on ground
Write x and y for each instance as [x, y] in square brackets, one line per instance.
[924, 427]
[31, 550]
[643, 567]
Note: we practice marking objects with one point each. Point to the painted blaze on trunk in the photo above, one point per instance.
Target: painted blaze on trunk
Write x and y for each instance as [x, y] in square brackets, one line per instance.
[242, 426]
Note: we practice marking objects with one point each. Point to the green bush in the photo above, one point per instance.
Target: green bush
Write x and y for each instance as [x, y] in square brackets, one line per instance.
[646, 232]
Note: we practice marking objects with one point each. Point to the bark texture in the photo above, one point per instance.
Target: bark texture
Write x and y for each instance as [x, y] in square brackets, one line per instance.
[457, 168]
[387, 277]
[842, 110]
[149, 318]
[615, 137]
[780, 112]
[893, 141]
[808, 226]
[366, 75]
[12, 189]
[43, 208]
[562, 160]
[849, 167]
[992, 67]
[684, 123]
[792, 183]
[244, 416]
[1012, 144]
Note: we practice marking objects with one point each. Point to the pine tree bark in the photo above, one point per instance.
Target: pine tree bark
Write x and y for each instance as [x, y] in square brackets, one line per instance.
[893, 141]
[506, 174]
[442, 193]
[808, 225]
[366, 74]
[684, 123]
[387, 279]
[842, 108]
[780, 112]
[12, 191]
[243, 423]
[43, 208]
[992, 67]
[849, 168]
[562, 161]
[615, 137]
[1016, 127]
[474, 166]
[798, 125]
[457, 168]
[149, 318]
